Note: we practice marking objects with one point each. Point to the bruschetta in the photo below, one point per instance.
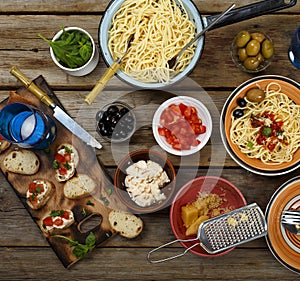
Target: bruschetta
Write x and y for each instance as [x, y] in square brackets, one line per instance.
[65, 162]
[38, 193]
[57, 219]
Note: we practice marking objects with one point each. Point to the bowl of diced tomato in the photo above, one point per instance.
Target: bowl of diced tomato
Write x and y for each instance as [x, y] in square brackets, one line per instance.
[182, 125]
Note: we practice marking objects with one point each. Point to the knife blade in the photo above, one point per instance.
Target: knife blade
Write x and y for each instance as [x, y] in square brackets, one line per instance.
[58, 113]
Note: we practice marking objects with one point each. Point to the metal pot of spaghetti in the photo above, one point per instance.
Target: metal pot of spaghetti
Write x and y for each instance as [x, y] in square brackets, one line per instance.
[161, 28]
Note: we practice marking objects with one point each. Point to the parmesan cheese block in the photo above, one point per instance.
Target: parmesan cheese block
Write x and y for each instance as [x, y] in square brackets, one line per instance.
[80, 186]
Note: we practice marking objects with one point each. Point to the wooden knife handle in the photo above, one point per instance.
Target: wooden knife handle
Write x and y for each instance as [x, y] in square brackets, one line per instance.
[100, 85]
[39, 93]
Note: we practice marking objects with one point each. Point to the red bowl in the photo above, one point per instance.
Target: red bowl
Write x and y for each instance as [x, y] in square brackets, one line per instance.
[189, 192]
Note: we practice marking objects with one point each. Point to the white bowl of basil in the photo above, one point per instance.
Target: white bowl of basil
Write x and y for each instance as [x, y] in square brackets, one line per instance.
[73, 50]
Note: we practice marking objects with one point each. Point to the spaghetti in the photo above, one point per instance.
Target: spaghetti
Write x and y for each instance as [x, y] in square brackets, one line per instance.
[269, 130]
[161, 29]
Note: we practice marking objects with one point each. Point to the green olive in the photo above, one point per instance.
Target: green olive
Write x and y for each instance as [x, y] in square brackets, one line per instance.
[255, 95]
[258, 36]
[260, 57]
[253, 47]
[251, 63]
[267, 49]
[242, 54]
[242, 38]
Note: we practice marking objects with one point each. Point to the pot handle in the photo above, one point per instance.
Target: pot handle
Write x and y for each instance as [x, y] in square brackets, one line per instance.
[251, 11]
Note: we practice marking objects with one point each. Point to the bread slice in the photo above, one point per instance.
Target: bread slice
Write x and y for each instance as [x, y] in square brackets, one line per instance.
[65, 170]
[80, 186]
[126, 224]
[22, 161]
[37, 197]
[4, 144]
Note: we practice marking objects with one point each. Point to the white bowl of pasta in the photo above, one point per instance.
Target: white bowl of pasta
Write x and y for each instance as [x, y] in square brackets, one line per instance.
[260, 125]
[146, 63]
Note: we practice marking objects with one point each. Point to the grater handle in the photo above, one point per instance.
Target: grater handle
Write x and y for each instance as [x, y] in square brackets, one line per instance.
[172, 257]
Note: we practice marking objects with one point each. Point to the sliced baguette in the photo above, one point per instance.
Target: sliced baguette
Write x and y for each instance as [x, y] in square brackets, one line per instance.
[36, 199]
[80, 186]
[22, 161]
[4, 145]
[72, 164]
[126, 224]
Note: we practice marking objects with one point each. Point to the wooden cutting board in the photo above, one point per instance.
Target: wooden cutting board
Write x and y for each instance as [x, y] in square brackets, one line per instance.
[87, 211]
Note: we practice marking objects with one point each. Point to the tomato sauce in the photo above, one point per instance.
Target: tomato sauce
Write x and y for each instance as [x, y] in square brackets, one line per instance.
[269, 135]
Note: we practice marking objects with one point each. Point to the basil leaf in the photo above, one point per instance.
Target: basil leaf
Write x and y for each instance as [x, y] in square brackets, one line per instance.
[90, 240]
[267, 131]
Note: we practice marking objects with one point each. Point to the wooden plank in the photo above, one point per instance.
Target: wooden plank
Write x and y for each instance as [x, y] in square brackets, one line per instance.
[20, 46]
[241, 264]
[96, 6]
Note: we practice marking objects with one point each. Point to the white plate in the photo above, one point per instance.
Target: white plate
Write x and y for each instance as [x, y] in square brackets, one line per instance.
[203, 113]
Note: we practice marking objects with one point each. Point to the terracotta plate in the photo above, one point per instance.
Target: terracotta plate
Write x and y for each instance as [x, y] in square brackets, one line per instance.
[288, 87]
[284, 245]
[189, 192]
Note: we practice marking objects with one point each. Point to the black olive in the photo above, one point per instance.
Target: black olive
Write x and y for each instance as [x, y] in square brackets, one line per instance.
[238, 113]
[112, 110]
[102, 129]
[123, 111]
[241, 102]
[114, 120]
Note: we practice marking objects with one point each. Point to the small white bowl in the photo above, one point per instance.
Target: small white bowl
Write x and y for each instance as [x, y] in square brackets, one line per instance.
[86, 68]
[203, 113]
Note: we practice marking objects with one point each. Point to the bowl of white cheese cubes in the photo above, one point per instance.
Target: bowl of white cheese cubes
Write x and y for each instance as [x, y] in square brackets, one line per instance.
[145, 181]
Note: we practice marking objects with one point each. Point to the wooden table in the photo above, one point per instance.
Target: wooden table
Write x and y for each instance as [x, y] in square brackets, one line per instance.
[25, 254]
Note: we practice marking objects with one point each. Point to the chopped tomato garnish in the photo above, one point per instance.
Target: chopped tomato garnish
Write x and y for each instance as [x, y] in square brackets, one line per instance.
[58, 221]
[68, 157]
[60, 158]
[48, 221]
[62, 171]
[65, 215]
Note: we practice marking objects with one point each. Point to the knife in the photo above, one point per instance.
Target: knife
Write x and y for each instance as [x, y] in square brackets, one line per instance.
[59, 114]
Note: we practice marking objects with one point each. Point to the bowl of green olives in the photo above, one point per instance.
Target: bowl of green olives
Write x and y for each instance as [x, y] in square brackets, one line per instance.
[252, 51]
[116, 122]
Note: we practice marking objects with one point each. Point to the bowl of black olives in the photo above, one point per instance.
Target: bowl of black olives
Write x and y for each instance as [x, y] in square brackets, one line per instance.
[252, 51]
[116, 122]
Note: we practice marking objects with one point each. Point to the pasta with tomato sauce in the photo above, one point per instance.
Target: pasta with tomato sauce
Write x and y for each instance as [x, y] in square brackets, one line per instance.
[268, 130]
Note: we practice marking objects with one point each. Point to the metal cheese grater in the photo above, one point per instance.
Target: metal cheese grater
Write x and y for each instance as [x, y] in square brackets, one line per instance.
[225, 231]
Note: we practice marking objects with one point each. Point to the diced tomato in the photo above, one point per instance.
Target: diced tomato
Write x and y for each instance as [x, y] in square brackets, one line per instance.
[177, 146]
[58, 221]
[32, 187]
[65, 215]
[182, 107]
[62, 171]
[196, 142]
[36, 188]
[1, 138]
[181, 126]
[162, 131]
[60, 158]
[175, 109]
[48, 221]
[68, 157]
[33, 199]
